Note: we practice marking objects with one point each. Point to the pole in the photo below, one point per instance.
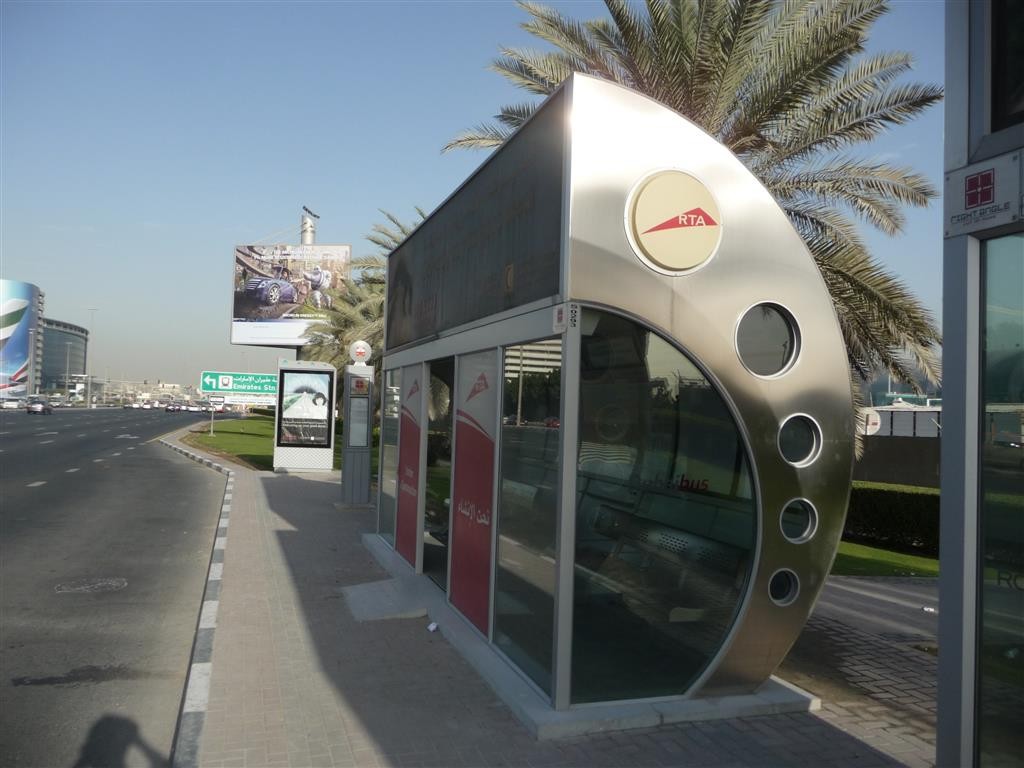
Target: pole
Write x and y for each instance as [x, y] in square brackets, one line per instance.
[519, 401]
[67, 370]
[211, 419]
[88, 378]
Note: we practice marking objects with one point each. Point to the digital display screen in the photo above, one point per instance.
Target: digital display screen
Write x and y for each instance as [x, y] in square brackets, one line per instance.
[306, 402]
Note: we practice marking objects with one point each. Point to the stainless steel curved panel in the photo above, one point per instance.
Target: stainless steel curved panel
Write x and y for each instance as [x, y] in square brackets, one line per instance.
[619, 139]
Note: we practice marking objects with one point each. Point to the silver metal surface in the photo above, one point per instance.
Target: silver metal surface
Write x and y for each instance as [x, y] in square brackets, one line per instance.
[620, 138]
[958, 512]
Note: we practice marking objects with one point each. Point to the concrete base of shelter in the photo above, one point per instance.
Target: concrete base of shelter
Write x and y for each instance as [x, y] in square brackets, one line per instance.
[408, 595]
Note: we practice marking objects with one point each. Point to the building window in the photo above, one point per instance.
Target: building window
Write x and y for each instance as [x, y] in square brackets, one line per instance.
[1000, 657]
[1007, 63]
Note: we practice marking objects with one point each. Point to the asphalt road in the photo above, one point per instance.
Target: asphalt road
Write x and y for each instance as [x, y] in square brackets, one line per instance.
[891, 608]
[105, 540]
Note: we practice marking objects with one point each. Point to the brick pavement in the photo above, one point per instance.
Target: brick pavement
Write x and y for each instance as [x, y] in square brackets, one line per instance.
[297, 682]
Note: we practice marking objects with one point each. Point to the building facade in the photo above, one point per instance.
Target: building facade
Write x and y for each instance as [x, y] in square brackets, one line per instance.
[21, 343]
[65, 354]
[981, 623]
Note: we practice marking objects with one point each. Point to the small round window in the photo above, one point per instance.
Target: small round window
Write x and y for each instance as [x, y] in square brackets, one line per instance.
[800, 440]
[767, 340]
[799, 520]
[784, 587]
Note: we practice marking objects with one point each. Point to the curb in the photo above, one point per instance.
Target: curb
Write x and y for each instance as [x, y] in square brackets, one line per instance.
[195, 701]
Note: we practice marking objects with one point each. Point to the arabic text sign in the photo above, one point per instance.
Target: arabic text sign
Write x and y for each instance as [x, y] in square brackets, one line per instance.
[238, 383]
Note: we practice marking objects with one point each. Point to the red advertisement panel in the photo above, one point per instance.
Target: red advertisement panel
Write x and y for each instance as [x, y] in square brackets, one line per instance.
[409, 465]
[475, 427]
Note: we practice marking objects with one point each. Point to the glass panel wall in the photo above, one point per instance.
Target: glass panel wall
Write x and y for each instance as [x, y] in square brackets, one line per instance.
[1001, 632]
[439, 471]
[524, 578]
[389, 418]
[665, 517]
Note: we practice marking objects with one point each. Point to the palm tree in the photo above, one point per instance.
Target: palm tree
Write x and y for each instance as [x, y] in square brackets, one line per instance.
[783, 85]
[361, 314]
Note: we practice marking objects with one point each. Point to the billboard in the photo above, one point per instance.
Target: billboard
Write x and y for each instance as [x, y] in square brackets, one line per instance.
[280, 291]
[307, 408]
[19, 319]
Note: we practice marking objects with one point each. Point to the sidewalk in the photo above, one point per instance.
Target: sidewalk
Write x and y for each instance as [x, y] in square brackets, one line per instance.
[294, 680]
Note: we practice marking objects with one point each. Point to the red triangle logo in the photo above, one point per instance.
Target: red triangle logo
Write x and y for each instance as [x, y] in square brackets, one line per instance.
[480, 386]
[414, 388]
[695, 217]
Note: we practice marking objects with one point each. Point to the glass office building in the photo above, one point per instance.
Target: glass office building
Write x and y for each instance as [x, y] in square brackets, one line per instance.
[616, 408]
[65, 350]
[981, 623]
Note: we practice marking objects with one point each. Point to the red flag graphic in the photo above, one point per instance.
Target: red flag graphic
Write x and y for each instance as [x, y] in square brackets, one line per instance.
[695, 217]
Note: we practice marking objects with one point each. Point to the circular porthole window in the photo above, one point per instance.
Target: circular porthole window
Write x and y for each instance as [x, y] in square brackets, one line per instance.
[799, 521]
[767, 341]
[800, 440]
[784, 587]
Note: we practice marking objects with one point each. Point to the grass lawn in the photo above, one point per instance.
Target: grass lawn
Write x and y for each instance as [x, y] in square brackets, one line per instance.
[250, 441]
[859, 560]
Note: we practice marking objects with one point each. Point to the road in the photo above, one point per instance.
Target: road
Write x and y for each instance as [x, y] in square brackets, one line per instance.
[892, 608]
[105, 539]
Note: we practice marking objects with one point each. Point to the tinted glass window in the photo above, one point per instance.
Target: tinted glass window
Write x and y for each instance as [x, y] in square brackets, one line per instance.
[665, 517]
[524, 578]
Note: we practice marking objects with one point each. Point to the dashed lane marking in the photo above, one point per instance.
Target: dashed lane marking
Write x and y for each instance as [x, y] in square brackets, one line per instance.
[73, 469]
[96, 461]
[45, 442]
[36, 484]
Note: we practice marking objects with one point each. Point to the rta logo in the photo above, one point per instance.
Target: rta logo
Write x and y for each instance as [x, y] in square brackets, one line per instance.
[980, 189]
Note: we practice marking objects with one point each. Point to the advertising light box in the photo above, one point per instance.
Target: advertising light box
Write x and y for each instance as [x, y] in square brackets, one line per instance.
[307, 404]
[280, 291]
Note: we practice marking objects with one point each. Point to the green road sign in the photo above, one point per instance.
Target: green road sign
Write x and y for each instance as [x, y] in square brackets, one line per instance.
[216, 382]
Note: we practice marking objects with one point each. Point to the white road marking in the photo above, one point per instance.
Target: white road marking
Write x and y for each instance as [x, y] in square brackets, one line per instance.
[131, 447]
[73, 469]
[41, 434]
[44, 442]
[36, 484]
[221, 542]
[82, 435]
[216, 571]
[116, 454]
[105, 431]
[96, 461]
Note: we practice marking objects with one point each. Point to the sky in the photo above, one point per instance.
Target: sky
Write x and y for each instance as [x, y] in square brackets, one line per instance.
[141, 141]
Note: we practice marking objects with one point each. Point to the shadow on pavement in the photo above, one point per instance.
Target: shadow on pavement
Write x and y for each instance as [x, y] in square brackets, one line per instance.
[402, 694]
[109, 741]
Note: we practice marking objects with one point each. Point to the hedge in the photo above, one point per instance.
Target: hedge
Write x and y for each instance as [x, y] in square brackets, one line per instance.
[905, 518]
[901, 518]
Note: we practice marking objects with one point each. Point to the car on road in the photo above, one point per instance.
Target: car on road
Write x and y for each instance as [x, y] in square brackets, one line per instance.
[172, 407]
[39, 406]
[13, 404]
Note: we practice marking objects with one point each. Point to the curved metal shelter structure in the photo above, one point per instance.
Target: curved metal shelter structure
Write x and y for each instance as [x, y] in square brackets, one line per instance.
[617, 412]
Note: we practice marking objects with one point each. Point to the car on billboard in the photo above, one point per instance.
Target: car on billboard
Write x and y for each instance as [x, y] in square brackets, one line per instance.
[272, 290]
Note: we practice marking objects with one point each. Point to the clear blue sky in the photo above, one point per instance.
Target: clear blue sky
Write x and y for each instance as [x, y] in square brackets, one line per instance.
[141, 141]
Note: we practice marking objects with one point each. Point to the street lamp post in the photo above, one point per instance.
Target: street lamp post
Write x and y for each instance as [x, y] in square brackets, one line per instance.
[67, 371]
[89, 341]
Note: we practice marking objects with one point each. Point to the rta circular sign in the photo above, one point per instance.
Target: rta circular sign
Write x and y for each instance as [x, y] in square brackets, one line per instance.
[673, 222]
[359, 351]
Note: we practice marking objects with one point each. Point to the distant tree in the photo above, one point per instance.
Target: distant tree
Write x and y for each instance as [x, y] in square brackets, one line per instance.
[786, 87]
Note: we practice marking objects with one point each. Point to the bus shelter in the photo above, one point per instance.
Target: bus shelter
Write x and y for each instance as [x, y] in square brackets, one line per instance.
[616, 427]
